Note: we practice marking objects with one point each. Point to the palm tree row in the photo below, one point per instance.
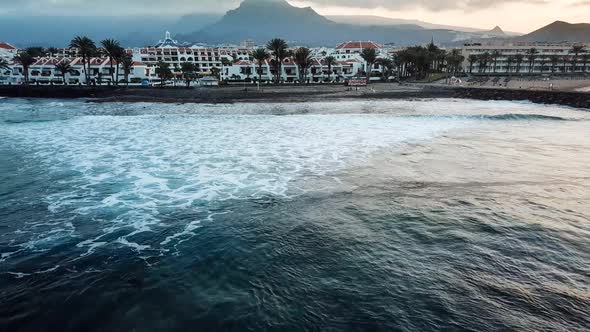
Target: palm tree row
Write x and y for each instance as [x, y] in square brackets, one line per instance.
[577, 55]
[87, 49]
[419, 61]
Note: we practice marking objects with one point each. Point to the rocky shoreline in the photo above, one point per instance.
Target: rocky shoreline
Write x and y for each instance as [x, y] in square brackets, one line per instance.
[235, 94]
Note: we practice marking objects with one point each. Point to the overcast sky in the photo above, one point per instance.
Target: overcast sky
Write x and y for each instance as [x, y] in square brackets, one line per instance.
[513, 15]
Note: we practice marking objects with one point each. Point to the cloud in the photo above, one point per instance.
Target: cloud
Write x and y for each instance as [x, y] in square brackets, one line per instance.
[181, 7]
[431, 5]
[114, 7]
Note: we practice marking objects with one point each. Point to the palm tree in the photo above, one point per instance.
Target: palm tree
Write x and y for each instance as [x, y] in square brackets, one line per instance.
[51, 51]
[163, 71]
[565, 59]
[260, 55]
[385, 64]
[509, 62]
[454, 60]
[484, 58]
[303, 61]
[225, 62]
[64, 68]
[119, 55]
[531, 55]
[397, 63]
[585, 60]
[554, 59]
[4, 64]
[188, 71]
[542, 62]
[111, 48]
[495, 55]
[215, 72]
[25, 59]
[576, 50]
[36, 51]
[127, 64]
[519, 59]
[370, 56]
[330, 61]
[472, 58]
[86, 48]
[279, 50]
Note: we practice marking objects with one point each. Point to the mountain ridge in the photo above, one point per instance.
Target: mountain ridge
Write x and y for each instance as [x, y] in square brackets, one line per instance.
[304, 26]
[560, 31]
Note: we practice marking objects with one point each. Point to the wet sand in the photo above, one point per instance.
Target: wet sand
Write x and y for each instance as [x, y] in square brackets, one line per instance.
[235, 94]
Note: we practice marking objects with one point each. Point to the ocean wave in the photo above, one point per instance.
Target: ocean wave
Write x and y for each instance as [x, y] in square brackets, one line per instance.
[526, 117]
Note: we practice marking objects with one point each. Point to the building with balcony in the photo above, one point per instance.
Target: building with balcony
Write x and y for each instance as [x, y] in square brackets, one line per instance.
[525, 57]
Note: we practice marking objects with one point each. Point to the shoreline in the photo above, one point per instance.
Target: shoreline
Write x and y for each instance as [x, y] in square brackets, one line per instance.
[288, 94]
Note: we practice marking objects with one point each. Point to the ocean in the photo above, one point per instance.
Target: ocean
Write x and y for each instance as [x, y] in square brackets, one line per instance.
[424, 215]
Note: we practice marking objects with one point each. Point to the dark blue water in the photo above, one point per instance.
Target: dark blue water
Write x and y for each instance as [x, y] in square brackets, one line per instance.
[370, 216]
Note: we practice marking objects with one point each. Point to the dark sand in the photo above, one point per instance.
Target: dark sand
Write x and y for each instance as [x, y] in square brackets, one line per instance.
[234, 94]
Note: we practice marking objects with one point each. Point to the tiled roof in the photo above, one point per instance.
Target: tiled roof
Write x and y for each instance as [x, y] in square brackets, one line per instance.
[358, 45]
[6, 46]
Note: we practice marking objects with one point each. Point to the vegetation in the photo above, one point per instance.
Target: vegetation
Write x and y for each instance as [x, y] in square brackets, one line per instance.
[215, 72]
[25, 59]
[510, 60]
[472, 58]
[329, 61]
[279, 50]
[188, 72]
[370, 56]
[554, 59]
[304, 61]
[576, 50]
[64, 68]
[86, 49]
[519, 59]
[260, 55]
[4, 64]
[531, 55]
[127, 66]
[495, 55]
[111, 48]
[164, 72]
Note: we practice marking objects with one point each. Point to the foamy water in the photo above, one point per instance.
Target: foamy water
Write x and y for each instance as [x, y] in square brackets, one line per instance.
[413, 210]
[136, 168]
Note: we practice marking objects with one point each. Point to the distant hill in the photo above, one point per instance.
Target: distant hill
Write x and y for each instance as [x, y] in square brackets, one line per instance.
[369, 20]
[262, 20]
[497, 31]
[57, 31]
[560, 31]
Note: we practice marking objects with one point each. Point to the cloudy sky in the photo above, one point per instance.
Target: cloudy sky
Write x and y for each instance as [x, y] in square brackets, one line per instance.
[513, 15]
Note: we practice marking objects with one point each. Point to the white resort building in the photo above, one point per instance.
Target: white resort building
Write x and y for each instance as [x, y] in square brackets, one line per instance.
[234, 63]
[525, 57]
[7, 51]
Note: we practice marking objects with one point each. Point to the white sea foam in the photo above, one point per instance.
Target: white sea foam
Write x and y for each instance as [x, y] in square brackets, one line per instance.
[126, 175]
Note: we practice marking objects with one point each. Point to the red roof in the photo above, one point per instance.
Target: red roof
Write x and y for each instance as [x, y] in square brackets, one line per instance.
[358, 45]
[7, 46]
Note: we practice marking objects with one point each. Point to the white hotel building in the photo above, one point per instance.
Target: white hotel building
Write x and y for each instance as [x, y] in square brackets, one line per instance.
[349, 64]
[542, 63]
[233, 62]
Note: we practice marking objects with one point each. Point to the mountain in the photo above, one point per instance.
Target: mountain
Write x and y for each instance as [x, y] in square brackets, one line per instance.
[497, 31]
[560, 31]
[131, 31]
[262, 20]
[369, 20]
